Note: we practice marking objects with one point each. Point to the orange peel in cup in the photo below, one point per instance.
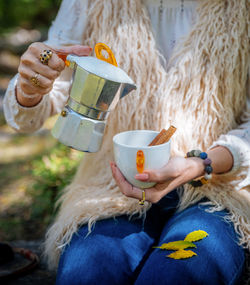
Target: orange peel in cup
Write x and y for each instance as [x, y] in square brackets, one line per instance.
[99, 48]
[140, 160]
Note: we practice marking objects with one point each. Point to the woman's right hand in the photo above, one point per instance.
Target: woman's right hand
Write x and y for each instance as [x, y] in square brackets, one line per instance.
[31, 67]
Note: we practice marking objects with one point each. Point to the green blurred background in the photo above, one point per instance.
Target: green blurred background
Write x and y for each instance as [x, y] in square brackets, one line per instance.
[21, 22]
[28, 14]
[34, 168]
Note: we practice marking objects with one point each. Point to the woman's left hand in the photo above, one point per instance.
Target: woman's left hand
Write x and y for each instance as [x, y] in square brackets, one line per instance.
[176, 172]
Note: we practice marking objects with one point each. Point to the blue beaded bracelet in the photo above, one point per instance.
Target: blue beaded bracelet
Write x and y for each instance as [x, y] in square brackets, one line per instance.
[208, 168]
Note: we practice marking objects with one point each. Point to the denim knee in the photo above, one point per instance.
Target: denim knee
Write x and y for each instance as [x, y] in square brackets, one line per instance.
[219, 258]
[88, 267]
[106, 256]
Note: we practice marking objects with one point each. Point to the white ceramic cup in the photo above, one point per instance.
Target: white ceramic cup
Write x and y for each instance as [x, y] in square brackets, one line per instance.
[127, 147]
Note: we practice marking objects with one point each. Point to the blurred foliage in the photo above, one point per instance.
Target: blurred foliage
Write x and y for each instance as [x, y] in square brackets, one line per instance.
[52, 172]
[49, 171]
[28, 14]
[40, 180]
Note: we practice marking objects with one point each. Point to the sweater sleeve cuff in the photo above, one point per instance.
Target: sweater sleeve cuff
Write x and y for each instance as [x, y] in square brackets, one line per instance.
[23, 119]
[240, 149]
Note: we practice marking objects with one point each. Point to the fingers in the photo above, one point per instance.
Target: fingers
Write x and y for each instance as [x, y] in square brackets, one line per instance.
[56, 64]
[159, 175]
[121, 182]
[43, 86]
[31, 66]
[174, 174]
[30, 89]
[29, 62]
[152, 194]
[31, 59]
[79, 50]
[28, 73]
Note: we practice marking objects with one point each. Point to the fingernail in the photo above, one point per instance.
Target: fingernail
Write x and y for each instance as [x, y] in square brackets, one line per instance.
[112, 164]
[143, 176]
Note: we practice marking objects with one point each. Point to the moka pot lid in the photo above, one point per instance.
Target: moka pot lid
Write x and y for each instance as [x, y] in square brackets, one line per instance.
[101, 68]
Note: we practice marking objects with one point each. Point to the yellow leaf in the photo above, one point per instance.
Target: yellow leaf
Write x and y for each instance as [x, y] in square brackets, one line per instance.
[180, 254]
[196, 235]
[175, 245]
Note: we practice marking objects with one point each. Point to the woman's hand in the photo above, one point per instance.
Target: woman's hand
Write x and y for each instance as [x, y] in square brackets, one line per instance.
[31, 66]
[175, 173]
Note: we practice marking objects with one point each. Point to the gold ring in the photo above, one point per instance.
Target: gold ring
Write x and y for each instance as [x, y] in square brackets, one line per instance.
[141, 202]
[45, 56]
[34, 80]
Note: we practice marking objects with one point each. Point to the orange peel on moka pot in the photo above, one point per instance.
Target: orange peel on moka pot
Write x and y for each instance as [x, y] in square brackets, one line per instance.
[140, 161]
[99, 48]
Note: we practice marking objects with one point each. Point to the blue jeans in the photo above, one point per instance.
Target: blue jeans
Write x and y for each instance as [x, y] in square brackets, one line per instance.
[120, 251]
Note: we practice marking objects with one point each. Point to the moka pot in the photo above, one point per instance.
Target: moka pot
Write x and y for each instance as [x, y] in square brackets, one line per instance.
[96, 88]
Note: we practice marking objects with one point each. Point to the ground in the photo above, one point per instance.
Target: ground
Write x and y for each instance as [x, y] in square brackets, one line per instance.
[40, 275]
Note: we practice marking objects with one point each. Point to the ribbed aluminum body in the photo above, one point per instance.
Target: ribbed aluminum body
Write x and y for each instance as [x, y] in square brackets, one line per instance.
[93, 94]
[78, 132]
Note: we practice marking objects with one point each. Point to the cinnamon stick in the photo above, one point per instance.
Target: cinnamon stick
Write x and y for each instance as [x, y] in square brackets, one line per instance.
[164, 136]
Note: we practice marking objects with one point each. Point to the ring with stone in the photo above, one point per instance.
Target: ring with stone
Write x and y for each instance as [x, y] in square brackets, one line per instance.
[45, 56]
[141, 202]
[34, 80]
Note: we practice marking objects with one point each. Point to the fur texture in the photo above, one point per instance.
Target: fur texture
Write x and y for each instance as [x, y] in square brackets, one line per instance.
[202, 93]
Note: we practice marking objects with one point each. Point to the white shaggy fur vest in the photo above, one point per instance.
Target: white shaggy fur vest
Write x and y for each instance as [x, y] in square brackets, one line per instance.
[203, 94]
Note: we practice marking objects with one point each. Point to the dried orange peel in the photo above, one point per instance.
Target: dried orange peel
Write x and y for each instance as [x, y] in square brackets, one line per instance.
[99, 47]
[140, 160]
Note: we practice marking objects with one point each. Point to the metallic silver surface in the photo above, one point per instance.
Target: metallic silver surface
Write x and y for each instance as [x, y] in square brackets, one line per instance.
[96, 88]
[79, 132]
[96, 95]
[87, 111]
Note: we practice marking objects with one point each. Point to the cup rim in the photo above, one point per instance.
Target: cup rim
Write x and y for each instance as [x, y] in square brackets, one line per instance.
[141, 147]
